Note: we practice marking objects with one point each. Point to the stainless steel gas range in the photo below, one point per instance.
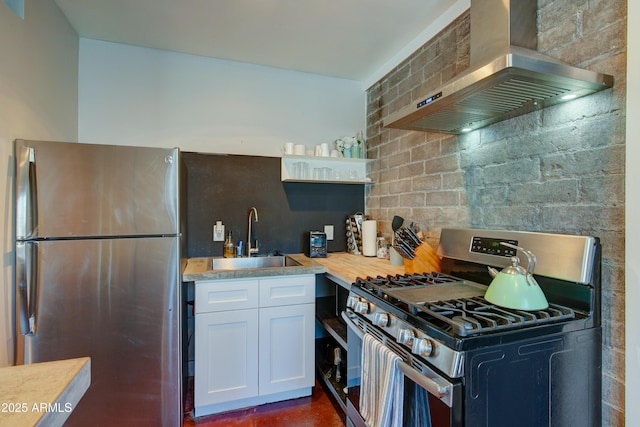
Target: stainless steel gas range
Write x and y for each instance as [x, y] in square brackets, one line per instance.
[467, 362]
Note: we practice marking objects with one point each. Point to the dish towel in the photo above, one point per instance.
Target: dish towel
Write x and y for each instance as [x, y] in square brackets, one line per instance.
[382, 385]
[418, 409]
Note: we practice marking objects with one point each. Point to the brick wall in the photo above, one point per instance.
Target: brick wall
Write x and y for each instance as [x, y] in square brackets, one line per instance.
[556, 170]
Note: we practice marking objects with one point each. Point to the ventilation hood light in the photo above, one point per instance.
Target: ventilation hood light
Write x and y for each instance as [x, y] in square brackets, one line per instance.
[569, 97]
[507, 76]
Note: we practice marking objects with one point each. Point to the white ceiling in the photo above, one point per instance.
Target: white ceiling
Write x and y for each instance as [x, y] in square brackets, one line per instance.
[351, 39]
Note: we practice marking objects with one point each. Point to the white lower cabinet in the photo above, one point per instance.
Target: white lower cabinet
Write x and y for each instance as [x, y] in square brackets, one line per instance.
[254, 341]
[226, 366]
[286, 348]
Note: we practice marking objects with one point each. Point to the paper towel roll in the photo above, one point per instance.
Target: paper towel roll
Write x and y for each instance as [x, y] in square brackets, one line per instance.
[369, 234]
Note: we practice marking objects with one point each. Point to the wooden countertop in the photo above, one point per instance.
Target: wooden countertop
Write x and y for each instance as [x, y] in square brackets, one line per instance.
[340, 266]
[42, 394]
[348, 267]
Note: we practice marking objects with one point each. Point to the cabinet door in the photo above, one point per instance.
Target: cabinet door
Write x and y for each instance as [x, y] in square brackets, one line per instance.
[286, 348]
[226, 356]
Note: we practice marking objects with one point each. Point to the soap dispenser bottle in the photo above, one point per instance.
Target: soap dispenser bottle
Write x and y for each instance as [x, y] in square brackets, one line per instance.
[229, 247]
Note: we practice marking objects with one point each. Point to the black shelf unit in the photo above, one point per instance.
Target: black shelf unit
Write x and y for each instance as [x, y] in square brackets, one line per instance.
[326, 371]
[330, 302]
[331, 321]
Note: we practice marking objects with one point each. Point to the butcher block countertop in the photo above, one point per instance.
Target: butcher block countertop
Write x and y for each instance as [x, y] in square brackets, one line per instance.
[348, 267]
[42, 394]
[340, 266]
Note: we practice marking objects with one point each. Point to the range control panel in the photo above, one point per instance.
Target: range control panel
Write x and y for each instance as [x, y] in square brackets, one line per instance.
[491, 246]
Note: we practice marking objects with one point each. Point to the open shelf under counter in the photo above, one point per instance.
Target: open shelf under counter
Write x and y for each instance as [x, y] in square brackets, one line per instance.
[325, 313]
[342, 170]
[327, 373]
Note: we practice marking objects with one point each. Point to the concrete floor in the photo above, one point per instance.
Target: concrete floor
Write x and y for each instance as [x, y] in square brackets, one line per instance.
[315, 410]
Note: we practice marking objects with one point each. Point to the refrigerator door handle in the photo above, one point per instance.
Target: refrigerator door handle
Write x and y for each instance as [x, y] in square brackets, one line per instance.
[26, 286]
[26, 193]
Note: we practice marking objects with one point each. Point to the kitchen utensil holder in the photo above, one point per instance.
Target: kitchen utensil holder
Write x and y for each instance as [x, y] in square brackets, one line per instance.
[425, 260]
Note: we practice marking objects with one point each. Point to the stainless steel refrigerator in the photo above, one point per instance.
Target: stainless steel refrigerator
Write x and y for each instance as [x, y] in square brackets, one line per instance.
[98, 273]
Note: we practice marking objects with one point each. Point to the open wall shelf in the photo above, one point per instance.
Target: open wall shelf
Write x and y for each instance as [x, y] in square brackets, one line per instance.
[338, 170]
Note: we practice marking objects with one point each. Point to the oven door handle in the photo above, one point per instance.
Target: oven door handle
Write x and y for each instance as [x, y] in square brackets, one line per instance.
[441, 391]
[429, 384]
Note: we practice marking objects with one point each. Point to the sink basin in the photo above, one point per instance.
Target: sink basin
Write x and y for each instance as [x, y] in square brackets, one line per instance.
[253, 262]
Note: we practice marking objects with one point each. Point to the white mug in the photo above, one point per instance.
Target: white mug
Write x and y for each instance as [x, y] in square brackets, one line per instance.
[299, 149]
[318, 150]
[324, 149]
[287, 148]
[335, 153]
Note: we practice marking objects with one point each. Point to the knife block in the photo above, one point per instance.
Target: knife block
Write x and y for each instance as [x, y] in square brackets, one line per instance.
[425, 260]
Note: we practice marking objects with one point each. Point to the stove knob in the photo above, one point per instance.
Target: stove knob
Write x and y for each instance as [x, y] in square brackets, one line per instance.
[351, 302]
[405, 336]
[422, 347]
[381, 319]
[362, 307]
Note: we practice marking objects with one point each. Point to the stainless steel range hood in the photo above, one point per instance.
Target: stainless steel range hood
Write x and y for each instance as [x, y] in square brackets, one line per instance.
[507, 77]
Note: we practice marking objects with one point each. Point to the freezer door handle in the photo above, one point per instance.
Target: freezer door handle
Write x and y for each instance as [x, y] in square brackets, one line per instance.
[26, 192]
[26, 286]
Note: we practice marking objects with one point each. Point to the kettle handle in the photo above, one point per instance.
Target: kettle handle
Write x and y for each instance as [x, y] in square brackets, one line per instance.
[492, 272]
[531, 258]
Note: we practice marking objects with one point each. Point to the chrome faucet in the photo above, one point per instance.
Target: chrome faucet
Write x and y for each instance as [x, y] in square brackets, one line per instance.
[251, 250]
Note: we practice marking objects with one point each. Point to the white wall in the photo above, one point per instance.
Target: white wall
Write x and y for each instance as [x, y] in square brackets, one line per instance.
[137, 96]
[632, 207]
[38, 100]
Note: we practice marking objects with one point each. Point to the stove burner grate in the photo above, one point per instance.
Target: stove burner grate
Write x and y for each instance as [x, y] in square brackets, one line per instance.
[470, 316]
[463, 316]
[405, 280]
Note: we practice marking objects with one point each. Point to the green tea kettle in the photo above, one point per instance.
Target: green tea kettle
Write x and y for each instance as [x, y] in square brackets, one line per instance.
[514, 287]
